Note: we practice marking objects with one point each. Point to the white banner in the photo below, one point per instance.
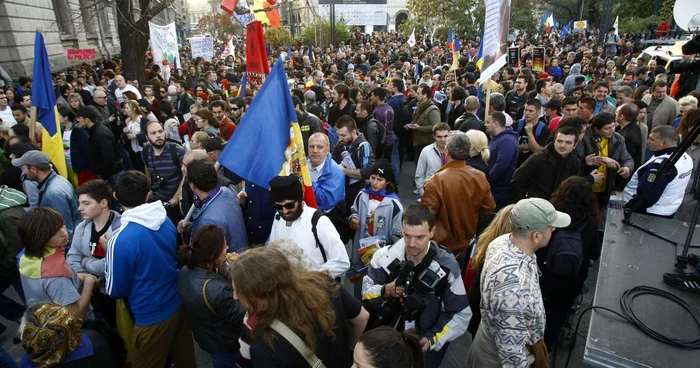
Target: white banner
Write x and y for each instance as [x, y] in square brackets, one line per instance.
[495, 39]
[164, 47]
[202, 47]
[356, 12]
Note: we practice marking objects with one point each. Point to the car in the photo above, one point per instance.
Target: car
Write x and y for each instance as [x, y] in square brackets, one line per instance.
[663, 54]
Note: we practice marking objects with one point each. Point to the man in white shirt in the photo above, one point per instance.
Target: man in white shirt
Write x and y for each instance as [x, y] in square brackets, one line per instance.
[5, 111]
[123, 87]
[294, 221]
[431, 157]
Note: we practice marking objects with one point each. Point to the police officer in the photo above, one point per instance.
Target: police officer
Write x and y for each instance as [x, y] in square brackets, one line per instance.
[667, 194]
[416, 283]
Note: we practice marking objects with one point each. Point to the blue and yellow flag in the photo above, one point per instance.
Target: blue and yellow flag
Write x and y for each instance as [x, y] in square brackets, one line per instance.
[268, 140]
[44, 99]
[242, 86]
[311, 53]
[480, 55]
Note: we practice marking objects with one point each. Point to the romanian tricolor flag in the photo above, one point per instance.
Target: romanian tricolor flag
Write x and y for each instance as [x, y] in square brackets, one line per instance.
[44, 100]
[242, 86]
[268, 139]
[450, 44]
[480, 56]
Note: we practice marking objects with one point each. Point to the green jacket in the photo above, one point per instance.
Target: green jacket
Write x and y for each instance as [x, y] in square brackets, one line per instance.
[426, 116]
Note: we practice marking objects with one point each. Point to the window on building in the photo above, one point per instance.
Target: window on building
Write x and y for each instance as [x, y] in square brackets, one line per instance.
[87, 9]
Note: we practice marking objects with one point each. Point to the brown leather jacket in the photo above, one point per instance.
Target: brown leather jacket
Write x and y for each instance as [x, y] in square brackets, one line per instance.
[457, 194]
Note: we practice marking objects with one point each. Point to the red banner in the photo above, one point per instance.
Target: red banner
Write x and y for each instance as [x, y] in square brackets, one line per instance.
[80, 54]
[229, 6]
[256, 56]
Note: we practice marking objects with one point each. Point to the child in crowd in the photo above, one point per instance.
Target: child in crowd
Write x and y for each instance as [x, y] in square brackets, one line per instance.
[376, 211]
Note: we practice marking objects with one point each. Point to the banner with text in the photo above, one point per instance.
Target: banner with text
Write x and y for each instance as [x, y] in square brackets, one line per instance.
[164, 48]
[80, 54]
[495, 40]
[202, 47]
[538, 60]
[514, 57]
[580, 25]
[356, 12]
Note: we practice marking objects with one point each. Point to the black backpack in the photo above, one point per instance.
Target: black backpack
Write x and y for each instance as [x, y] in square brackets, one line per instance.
[404, 117]
[314, 221]
[565, 252]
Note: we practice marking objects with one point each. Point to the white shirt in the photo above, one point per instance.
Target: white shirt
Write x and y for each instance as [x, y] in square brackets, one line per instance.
[428, 163]
[300, 233]
[316, 172]
[118, 93]
[6, 116]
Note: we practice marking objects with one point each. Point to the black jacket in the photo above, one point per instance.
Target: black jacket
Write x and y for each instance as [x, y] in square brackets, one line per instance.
[540, 175]
[617, 150]
[454, 115]
[469, 121]
[106, 157]
[633, 142]
[182, 106]
[216, 331]
[308, 124]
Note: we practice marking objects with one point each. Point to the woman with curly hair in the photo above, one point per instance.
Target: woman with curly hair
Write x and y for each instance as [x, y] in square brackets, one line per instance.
[278, 296]
[574, 197]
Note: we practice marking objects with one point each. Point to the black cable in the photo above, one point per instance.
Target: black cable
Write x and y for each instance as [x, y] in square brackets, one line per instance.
[626, 300]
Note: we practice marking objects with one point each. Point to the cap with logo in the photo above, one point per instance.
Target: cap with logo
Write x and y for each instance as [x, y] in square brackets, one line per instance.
[537, 214]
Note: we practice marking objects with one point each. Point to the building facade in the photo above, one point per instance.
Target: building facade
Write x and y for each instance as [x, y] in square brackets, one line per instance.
[372, 15]
[67, 24]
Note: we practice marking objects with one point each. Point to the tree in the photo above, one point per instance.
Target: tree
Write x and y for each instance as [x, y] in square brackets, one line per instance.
[278, 36]
[219, 26]
[319, 33]
[134, 34]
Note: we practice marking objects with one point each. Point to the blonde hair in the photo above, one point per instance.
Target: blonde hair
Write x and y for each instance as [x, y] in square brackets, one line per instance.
[479, 143]
[688, 101]
[499, 226]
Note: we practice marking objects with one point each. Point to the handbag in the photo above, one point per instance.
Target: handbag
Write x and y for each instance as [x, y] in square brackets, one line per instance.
[206, 300]
[297, 343]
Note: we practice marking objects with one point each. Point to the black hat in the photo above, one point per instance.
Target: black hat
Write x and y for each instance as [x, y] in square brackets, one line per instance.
[383, 168]
[214, 144]
[285, 188]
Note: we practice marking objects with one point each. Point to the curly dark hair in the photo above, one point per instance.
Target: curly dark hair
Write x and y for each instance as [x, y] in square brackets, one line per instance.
[576, 193]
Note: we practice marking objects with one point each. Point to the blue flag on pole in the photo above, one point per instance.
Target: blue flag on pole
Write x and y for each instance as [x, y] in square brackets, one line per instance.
[311, 53]
[256, 151]
[544, 17]
[44, 99]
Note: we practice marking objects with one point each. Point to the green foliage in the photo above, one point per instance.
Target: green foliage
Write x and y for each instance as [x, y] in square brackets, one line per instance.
[277, 36]
[638, 25]
[322, 28]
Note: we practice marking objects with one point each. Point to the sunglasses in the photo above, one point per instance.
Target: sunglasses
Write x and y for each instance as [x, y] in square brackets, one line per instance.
[235, 109]
[289, 206]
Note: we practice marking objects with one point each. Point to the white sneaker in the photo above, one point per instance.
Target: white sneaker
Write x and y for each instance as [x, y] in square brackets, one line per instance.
[416, 192]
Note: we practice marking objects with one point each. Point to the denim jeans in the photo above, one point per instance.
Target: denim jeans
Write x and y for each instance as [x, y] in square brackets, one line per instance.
[9, 308]
[395, 162]
[224, 360]
[6, 360]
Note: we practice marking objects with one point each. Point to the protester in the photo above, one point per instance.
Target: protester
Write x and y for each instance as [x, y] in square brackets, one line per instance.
[327, 320]
[207, 295]
[385, 347]
[432, 157]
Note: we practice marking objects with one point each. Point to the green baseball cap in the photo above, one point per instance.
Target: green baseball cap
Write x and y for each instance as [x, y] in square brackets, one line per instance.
[537, 214]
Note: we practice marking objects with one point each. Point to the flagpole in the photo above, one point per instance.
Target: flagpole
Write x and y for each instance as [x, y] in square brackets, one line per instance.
[488, 99]
[32, 124]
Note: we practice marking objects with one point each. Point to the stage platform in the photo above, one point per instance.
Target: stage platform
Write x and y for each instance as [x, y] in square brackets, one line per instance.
[630, 258]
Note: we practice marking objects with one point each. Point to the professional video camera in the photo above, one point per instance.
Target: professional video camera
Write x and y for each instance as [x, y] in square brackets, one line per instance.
[688, 70]
[419, 282]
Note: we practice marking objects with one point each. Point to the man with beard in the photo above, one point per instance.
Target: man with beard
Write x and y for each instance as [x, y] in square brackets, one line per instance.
[163, 161]
[319, 240]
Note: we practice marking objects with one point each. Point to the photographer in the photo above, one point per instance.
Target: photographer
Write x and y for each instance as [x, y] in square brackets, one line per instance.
[687, 70]
[416, 283]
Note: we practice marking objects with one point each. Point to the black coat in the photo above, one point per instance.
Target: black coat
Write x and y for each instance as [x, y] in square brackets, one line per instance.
[106, 157]
[182, 106]
[469, 121]
[540, 175]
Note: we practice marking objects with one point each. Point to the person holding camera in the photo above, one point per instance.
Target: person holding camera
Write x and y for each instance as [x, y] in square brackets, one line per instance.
[163, 161]
[416, 283]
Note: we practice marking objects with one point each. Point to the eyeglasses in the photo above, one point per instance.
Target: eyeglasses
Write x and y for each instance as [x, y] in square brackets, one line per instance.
[289, 206]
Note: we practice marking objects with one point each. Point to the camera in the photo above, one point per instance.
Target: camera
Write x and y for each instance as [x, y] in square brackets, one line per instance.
[156, 183]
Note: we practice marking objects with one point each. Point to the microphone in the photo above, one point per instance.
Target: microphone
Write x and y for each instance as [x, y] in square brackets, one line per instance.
[405, 272]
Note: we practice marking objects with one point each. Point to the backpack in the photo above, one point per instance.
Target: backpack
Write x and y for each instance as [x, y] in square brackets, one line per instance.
[381, 131]
[565, 252]
[405, 116]
[172, 146]
[331, 133]
[521, 125]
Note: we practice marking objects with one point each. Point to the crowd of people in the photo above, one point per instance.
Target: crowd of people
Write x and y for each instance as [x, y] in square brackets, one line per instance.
[110, 267]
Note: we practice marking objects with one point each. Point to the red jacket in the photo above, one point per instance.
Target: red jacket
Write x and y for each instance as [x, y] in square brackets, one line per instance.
[226, 128]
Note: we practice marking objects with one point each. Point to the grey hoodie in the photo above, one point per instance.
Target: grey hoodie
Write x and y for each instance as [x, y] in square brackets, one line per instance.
[80, 247]
[570, 81]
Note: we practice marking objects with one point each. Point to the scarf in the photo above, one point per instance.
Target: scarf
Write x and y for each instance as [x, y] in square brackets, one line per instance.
[380, 195]
[51, 334]
[51, 264]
